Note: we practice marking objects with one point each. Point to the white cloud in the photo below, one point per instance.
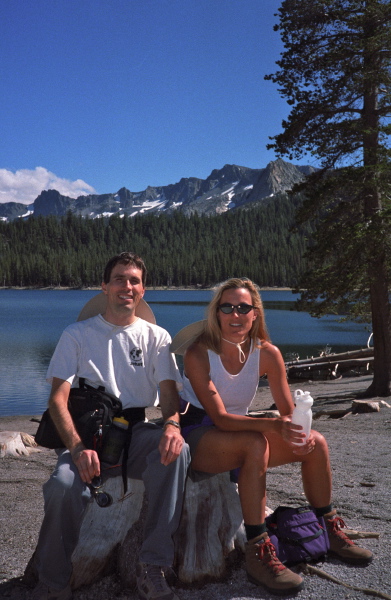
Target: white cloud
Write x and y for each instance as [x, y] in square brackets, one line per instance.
[26, 184]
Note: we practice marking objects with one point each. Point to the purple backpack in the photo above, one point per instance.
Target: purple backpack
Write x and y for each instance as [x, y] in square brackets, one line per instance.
[297, 534]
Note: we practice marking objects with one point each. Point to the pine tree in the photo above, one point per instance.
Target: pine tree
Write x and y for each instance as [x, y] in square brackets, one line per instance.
[335, 73]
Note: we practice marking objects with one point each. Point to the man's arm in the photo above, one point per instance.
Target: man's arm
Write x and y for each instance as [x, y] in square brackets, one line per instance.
[172, 441]
[86, 461]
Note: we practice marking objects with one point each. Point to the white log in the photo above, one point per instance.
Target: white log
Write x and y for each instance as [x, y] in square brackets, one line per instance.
[104, 530]
[16, 443]
[210, 534]
[211, 530]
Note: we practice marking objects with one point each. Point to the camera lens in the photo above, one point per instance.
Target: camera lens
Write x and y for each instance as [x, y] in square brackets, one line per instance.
[103, 500]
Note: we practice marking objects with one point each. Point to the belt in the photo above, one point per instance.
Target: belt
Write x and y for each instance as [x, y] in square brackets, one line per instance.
[134, 414]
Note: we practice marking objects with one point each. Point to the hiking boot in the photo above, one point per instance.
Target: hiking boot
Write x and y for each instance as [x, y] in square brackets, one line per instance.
[264, 568]
[152, 584]
[341, 546]
[44, 592]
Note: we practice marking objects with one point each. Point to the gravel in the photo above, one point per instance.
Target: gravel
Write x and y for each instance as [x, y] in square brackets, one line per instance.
[360, 452]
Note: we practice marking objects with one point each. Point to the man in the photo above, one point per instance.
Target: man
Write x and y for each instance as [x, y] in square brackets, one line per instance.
[131, 359]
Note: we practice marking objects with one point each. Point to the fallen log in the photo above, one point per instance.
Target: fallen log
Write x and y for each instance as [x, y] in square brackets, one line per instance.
[358, 406]
[365, 406]
[335, 413]
[331, 362]
[361, 353]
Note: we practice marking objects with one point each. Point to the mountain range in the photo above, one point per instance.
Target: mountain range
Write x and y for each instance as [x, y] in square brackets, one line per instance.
[225, 189]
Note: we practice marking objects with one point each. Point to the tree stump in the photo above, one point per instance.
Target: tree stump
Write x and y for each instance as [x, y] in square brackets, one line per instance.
[209, 538]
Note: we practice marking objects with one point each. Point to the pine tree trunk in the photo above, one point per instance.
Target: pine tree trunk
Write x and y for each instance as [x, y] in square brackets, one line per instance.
[381, 326]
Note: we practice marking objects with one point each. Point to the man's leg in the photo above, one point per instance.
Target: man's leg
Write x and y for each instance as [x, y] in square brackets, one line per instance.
[66, 497]
[164, 487]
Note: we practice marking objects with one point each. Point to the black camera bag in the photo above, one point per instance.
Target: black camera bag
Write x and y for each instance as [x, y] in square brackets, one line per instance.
[92, 411]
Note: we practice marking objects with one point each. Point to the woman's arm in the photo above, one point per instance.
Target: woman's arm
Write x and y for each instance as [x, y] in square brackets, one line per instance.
[272, 364]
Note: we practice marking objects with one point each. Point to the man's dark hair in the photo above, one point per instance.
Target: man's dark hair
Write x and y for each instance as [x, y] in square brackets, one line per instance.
[125, 258]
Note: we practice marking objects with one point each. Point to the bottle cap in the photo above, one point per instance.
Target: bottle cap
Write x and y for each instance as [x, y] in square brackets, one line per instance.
[121, 420]
[302, 397]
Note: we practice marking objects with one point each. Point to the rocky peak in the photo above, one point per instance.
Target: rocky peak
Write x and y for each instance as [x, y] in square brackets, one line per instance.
[279, 176]
[224, 189]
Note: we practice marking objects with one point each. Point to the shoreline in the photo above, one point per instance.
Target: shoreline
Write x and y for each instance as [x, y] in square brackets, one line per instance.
[360, 455]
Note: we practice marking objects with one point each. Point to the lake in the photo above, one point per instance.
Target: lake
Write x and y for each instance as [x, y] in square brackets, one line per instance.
[31, 322]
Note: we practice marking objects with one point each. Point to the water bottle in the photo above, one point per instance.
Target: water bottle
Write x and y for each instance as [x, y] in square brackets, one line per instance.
[302, 414]
[115, 441]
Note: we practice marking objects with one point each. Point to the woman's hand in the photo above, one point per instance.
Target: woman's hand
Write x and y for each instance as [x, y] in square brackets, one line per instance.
[306, 448]
[293, 434]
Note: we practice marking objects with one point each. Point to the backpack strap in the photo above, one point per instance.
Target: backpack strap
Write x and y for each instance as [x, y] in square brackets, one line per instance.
[133, 415]
[301, 541]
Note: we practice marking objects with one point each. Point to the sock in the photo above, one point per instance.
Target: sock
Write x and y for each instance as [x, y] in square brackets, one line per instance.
[253, 531]
[320, 512]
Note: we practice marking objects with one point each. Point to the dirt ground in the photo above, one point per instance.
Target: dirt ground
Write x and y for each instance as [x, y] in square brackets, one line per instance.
[360, 449]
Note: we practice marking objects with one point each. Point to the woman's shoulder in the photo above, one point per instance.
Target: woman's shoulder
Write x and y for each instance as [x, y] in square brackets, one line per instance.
[268, 346]
[269, 352]
[196, 354]
[197, 349]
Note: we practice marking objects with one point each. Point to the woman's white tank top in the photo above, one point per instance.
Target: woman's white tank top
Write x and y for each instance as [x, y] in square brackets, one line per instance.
[236, 391]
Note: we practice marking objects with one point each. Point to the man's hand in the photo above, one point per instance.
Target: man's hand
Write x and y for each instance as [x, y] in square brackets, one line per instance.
[87, 463]
[171, 441]
[170, 445]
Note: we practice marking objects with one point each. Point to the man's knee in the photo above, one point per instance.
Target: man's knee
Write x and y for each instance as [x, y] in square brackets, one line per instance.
[176, 469]
[63, 480]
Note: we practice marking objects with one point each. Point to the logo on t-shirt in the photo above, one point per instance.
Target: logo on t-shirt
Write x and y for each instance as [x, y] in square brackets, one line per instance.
[136, 357]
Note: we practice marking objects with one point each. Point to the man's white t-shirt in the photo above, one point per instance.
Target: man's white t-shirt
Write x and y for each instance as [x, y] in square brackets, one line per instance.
[129, 362]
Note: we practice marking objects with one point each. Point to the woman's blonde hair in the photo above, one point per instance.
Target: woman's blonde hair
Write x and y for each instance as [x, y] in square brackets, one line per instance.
[211, 336]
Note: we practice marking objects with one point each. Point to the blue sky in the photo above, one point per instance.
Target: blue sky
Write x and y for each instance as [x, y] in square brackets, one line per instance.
[101, 94]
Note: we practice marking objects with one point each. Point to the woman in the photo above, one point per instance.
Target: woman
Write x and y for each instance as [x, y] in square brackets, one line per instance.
[221, 374]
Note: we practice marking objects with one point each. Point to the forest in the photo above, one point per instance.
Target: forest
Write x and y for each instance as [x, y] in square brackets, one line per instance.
[261, 243]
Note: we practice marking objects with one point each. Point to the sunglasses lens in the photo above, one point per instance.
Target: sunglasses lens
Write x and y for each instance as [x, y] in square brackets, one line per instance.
[226, 308]
[243, 309]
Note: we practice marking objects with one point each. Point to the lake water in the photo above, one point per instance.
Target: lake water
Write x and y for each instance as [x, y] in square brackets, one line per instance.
[31, 321]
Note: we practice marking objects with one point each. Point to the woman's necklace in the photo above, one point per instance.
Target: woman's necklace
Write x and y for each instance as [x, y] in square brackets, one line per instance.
[241, 353]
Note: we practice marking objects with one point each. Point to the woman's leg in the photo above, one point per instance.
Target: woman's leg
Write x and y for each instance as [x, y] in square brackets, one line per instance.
[315, 467]
[316, 475]
[220, 451]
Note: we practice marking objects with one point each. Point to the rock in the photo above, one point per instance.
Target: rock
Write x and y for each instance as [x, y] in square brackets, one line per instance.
[16, 443]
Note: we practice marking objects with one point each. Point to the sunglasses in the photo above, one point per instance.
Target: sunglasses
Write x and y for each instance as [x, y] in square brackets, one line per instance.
[242, 309]
[103, 499]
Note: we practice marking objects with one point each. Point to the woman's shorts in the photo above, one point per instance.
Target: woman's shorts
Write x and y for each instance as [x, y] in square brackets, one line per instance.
[195, 423]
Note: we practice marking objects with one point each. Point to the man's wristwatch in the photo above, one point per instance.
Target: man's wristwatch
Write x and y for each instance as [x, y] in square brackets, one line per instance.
[171, 422]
